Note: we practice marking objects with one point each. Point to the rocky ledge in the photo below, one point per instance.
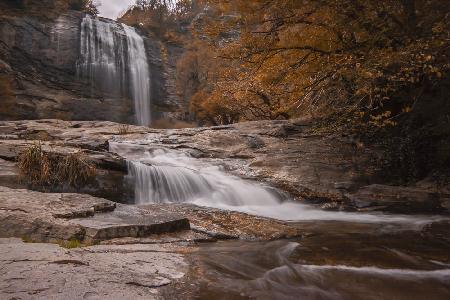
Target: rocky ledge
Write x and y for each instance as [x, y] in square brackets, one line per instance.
[58, 218]
[333, 172]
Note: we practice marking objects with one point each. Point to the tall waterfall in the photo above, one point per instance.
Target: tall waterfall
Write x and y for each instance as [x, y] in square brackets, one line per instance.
[140, 77]
[113, 58]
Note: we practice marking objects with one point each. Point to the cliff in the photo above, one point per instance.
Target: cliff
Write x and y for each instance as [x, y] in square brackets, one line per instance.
[38, 59]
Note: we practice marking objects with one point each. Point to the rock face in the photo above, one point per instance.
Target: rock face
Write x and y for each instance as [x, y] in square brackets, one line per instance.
[39, 56]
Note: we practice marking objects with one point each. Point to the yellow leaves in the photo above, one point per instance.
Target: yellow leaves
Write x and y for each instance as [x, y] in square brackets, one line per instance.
[406, 109]
[382, 120]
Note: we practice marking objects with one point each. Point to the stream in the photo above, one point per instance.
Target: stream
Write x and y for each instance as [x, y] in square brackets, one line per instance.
[341, 255]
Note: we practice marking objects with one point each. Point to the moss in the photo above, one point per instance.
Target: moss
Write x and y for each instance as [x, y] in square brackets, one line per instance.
[71, 244]
[75, 243]
[27, 239]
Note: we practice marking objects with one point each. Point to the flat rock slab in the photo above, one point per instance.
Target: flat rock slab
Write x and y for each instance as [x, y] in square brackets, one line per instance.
[47, 271]
[53, 217]
[220, 224]
[131, 221]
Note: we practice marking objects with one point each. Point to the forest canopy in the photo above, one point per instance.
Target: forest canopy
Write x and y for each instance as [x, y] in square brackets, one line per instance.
[283, 58]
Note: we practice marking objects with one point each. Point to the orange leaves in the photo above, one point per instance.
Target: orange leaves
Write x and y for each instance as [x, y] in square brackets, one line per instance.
[267, 58]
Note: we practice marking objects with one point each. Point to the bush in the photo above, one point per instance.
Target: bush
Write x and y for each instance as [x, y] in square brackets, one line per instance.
[44, 169]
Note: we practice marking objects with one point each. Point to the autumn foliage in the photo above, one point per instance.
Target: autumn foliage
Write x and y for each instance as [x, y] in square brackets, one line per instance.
[365, 60]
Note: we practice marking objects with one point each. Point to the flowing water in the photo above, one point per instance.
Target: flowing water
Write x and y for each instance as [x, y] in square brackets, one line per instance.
[279, 270]
[342, 255]
[139, 73]
[161, 175]
[114, 59]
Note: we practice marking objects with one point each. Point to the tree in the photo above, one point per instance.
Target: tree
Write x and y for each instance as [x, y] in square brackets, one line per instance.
[297, 57]
[87, 6]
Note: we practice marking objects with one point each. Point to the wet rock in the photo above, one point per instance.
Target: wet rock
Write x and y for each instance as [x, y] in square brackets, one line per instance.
[219, 224]
[399, 199]
[438, 230]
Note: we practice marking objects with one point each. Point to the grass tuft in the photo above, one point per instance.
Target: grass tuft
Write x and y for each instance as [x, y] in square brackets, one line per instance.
[124, 129]
[46, 169]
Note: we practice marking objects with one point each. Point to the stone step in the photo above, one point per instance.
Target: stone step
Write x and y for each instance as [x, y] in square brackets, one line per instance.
[130, 221]
[55, 217]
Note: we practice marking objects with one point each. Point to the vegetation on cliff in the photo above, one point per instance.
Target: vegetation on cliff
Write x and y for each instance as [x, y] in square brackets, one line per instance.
[375, 69]
[51, 6]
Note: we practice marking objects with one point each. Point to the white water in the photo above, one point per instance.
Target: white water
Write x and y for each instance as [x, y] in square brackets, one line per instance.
[113, 58]
[139, 73]
[162, 176]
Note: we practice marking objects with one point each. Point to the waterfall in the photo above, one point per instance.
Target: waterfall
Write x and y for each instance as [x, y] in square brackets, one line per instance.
[162, 175]
[162, 184]
[113, 58]
[140, 77]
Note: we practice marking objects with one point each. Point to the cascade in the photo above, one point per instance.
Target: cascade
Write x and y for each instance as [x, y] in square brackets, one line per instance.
[113, 58]
[162, 175]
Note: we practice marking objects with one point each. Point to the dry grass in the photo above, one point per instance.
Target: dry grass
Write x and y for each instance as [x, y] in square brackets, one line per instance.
[75, 169]
[46, 169]
[124, 129]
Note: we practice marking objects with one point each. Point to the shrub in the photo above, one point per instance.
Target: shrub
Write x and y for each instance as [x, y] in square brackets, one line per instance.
[45, 169]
